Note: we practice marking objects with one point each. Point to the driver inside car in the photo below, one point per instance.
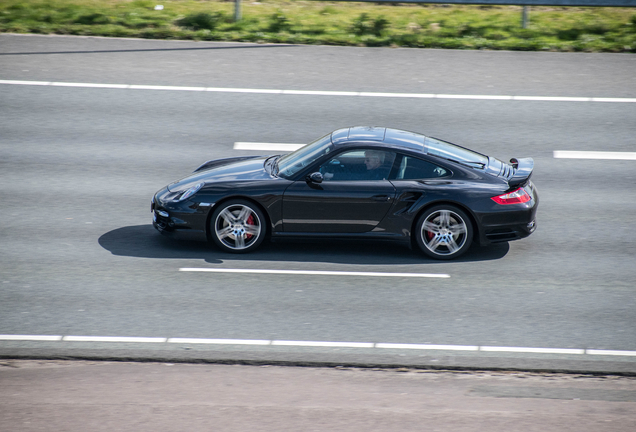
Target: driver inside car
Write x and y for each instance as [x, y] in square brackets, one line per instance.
[372, 167]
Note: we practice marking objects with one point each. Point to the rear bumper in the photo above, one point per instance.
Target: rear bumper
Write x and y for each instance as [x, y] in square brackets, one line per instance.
[505, 233]
[504, 223]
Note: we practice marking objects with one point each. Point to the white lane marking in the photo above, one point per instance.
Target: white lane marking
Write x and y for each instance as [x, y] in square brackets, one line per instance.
[533, 350]
[31, 337]
[323, 93]
[554, 99]
[316, 272]
[324, 344]
[610, 352]
[113, 339]
[566, 154]
[266, 146]
[220, 341]
[428, 347]
[317, 344]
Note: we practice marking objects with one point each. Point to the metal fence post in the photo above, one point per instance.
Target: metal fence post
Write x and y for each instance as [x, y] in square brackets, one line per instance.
[524, 17]
[237, 10]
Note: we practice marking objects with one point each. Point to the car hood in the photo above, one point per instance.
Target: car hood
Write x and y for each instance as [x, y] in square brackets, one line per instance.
[250, 169]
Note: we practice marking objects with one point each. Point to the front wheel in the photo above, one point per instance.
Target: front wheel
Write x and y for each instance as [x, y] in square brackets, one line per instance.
[444, 232]
[238, 226]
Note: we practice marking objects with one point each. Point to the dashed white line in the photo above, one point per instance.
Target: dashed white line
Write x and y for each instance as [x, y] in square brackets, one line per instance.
[319, 344]
[323, 93]
[566, 154]
[315, 272]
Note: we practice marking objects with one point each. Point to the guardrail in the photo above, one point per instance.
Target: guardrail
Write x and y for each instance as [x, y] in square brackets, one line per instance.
[524, 3]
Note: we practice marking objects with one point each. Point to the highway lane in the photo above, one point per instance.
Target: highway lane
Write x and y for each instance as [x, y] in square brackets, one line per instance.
[78, 168]
[90, 59]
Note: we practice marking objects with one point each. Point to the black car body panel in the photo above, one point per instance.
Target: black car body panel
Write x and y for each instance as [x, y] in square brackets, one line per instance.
[386, 208]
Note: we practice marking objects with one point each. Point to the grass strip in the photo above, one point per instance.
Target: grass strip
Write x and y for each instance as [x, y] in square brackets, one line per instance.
[331, 23]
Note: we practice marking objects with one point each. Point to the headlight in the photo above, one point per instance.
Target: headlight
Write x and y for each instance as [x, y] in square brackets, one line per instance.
[188, 193]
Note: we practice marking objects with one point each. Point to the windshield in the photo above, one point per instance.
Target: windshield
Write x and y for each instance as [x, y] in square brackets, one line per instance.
[450, 151]
[290, 164]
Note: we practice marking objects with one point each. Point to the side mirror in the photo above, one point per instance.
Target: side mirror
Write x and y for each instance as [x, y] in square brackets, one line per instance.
[315, 177]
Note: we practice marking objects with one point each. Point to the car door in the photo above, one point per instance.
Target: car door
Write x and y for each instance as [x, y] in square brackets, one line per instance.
[351, 198]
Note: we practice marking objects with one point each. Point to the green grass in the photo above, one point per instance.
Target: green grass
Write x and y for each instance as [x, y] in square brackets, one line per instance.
[332, 23]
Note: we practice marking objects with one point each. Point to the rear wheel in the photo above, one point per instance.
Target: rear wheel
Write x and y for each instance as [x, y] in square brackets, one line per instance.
[444, 232]
[238, 226]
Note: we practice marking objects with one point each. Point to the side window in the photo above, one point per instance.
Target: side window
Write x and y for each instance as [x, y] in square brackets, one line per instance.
[413, 169]
[359, 164]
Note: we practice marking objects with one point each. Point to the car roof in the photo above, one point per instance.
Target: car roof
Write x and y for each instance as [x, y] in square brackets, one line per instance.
[387, 136]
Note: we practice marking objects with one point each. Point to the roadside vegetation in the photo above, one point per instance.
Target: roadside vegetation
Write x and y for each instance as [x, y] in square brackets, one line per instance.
[331, 23]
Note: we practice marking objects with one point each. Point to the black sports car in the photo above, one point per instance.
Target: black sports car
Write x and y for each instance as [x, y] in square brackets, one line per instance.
[358, 182]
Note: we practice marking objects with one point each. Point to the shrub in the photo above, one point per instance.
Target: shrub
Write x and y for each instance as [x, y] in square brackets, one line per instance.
[279, 23]
[496, 34]
[364, 25]
[92, 19]
[201, 21]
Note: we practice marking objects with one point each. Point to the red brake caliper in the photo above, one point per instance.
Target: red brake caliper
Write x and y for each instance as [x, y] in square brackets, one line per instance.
[429, 235]
[250, 221]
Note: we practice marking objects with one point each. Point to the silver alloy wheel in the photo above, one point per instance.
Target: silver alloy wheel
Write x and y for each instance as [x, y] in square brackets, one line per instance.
[444, 232]
[237, 227]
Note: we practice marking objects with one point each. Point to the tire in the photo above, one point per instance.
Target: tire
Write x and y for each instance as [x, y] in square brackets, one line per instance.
[238, 226]
[444, 232]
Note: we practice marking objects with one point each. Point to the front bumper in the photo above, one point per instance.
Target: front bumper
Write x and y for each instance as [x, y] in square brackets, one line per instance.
[184, 220]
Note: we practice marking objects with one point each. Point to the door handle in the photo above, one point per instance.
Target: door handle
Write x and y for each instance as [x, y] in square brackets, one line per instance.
[382, 198]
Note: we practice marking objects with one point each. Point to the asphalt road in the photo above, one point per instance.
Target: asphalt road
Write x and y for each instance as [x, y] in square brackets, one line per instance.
[79, 165]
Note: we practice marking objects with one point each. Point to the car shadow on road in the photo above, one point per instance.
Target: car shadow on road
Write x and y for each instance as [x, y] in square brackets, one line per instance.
[143, 241]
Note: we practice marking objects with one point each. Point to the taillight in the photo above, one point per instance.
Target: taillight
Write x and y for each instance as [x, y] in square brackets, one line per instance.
[518, 196]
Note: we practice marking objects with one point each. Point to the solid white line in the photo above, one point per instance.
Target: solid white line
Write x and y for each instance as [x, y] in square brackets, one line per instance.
[325, 93]
[427, 347]
[177, 88]
[320, 93]
[554, 99]
[566, 154]
[610, 352]
[315, 273]
[32, 83]
[323, 344]
[614, 100]
[31, 337]
[267, 146]
[239, 90]
[398, 95]
[220, 341]
[317, 344]
[112, 339]
[482, 97]
[532, 350]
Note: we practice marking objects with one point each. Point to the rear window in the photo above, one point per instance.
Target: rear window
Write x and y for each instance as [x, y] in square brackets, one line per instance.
[450, 151]
[414, 169]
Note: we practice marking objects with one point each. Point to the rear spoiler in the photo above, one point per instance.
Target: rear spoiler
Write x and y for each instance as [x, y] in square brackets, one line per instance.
[523, 170]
